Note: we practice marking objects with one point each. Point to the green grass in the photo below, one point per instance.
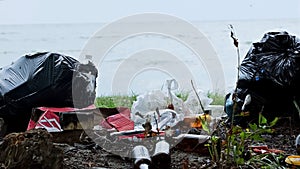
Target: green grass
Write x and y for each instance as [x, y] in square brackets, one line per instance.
[127, 101]
[218, 99]
[115, 101]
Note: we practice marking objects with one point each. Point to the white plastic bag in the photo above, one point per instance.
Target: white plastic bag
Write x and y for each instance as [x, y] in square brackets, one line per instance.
[157, 99]
[192, 102]
[150, 101]
[165, 117]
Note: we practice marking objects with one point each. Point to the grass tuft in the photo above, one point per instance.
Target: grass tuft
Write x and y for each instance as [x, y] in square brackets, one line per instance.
[218, 99]
[127, 101]
[115, 101]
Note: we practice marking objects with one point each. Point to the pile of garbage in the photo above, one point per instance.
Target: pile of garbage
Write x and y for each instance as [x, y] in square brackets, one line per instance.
[37, 92]
[156, 122]
[269, 77]
[43, 79]
[53, 93]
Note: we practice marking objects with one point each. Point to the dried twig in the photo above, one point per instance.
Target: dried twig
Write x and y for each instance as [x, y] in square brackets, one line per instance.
[202, 108]
[234, 96]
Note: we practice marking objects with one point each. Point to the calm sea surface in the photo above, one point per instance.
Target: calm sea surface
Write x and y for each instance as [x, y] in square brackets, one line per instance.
[70, 39]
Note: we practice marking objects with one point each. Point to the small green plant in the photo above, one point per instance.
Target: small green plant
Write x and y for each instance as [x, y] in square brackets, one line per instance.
[214, 141]
[239, 139]
[235, 150]
[183, 96]
[214, 149]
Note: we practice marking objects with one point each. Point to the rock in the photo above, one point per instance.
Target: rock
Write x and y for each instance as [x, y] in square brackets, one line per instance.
[30, 150]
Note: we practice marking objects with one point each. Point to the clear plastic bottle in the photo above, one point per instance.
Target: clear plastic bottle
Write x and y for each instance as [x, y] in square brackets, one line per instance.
[161, 157]
[142, 159]
[297, 144]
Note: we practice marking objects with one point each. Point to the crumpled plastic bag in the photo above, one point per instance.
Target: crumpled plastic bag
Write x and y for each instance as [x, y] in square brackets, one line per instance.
[192, 102]
[151, 101]
[165, 118]
[158, 99]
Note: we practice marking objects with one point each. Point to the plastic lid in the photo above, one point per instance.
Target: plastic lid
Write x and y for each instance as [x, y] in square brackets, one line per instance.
[294, 160]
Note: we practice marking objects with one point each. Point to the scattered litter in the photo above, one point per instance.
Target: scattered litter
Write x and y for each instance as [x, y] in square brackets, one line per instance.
[156, 122]
[263, 149]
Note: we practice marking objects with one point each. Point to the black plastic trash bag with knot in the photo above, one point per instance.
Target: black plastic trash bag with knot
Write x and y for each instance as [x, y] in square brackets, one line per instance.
[270, 73]
[44, 79]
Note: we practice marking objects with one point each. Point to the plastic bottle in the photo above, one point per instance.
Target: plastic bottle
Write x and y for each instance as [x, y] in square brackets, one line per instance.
[141, 157]
[161, 157]
[297, 144]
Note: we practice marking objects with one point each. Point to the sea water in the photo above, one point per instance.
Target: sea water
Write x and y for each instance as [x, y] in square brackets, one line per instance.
[70, 39]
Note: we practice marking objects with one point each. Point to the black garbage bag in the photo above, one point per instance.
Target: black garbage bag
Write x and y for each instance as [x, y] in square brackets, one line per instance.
[270, 73]
[44, 79]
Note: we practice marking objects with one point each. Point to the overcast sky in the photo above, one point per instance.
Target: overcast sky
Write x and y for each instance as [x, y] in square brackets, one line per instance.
[71, 11]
